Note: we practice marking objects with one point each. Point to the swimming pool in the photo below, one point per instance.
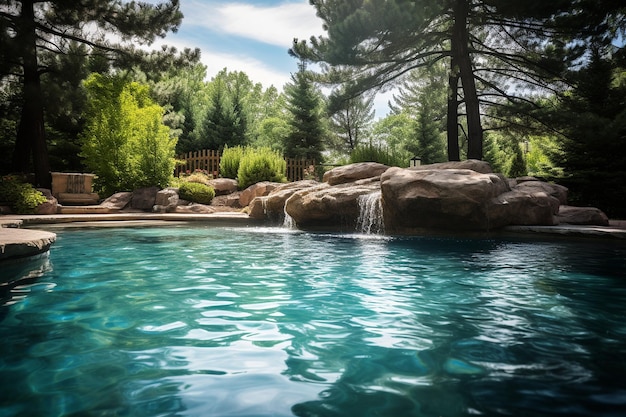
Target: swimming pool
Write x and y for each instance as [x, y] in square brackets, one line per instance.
[221, 321]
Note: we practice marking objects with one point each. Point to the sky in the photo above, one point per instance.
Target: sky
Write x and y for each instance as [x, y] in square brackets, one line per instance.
[252, 36]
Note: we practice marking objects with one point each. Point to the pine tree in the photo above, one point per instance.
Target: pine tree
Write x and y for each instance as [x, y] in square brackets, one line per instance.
[496, 51]
[352, 122]
[305, 105]
[31, 27]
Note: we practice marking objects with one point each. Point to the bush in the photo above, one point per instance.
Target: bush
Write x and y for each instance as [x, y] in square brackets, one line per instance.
[373, 153]
[21, 196]
[229, 161]
[262, 164]
[125, 142]
[199, 177]
[196, 192]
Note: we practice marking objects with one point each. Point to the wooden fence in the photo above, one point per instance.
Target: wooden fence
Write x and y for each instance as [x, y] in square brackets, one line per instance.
[208, 161]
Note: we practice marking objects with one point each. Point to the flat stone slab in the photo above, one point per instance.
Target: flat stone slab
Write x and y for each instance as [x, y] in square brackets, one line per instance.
[20, 243]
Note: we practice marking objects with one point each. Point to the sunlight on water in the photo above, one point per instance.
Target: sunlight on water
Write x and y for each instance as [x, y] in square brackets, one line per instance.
[208, 321]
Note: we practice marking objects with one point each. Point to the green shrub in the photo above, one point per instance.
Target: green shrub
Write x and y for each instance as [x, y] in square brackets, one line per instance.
[196, 192]
[125, 142]
[229, 161]
[261, 164]
[21, 196]
[373, 153]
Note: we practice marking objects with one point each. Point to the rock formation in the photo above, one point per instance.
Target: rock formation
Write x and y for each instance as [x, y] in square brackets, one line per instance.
[464, 195]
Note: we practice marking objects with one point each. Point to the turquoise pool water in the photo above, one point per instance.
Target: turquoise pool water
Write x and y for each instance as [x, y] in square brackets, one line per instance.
[217, 321]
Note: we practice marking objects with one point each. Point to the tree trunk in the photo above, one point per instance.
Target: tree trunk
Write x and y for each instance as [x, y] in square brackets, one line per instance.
[466, 72]
[31, 139]
[452, 127]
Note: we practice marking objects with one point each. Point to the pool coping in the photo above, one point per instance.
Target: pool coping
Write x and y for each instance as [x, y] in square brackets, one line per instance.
[19, 242]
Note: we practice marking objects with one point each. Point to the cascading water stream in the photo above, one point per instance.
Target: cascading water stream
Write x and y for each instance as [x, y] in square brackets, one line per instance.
[370, 219]
[288, 222]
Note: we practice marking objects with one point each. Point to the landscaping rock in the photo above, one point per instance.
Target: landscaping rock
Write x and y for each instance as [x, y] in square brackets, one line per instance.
[532, 185]
[223, 186]
[166, 200]
[259, 189]
[144, 198]
[438, 198]
[473, 164]
[272, 206]
[336, 207]
[195, 208]
[518, 207]
[582, 216]
[354, 172]
[118, 201]
[51, 205]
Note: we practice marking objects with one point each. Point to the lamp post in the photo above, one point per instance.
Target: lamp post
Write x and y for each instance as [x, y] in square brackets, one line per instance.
[415, 161]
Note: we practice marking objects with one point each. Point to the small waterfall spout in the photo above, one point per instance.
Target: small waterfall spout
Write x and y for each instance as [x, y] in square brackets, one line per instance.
[288, 222]
[370, 219]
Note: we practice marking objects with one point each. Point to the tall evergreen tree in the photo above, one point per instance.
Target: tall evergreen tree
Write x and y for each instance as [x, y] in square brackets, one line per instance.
[221, 125]
[490, 47]
[352, 121]
[30, 27]
[305, 105]
[423, 96]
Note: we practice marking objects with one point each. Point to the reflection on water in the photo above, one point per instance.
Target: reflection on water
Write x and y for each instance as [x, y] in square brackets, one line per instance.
[275, 322]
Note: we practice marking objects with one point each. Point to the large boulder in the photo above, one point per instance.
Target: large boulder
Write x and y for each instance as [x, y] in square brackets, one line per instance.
[118, 201]
[195, 209]
[473, 164]
[259, 189]
[166, 200]
[530, 185]
[144, 198]
[354, 172]
[438, 198]
[50, 206]
[335, 207]
[223, 186]
[522, 207]
[582, 216]
[272, 206]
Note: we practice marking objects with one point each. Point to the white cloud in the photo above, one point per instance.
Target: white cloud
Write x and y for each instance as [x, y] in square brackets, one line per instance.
[275, 25]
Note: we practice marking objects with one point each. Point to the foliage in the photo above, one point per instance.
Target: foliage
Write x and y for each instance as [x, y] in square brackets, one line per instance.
[496, 51]
[305, 106]
[352, 121]
[230, 160]
[380, 154]
[517, 165]
[30, 30]
[196, 192]
[20, 195]
[125, 142]
[198, 176]
[261, 164]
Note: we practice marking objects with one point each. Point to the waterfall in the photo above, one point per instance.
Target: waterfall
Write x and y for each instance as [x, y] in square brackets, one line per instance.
[370, 219]
[288, 222]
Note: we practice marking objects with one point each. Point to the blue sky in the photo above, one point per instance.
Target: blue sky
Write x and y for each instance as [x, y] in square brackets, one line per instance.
[252, 36]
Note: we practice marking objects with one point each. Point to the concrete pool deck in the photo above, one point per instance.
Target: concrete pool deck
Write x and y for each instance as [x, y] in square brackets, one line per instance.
[18, 239]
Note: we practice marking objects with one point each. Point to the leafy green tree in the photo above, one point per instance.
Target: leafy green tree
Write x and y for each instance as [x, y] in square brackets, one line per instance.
[268, 126]
[394, 132]
[305, 105]
[28, 28]
[125, 142]
[352, 121]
